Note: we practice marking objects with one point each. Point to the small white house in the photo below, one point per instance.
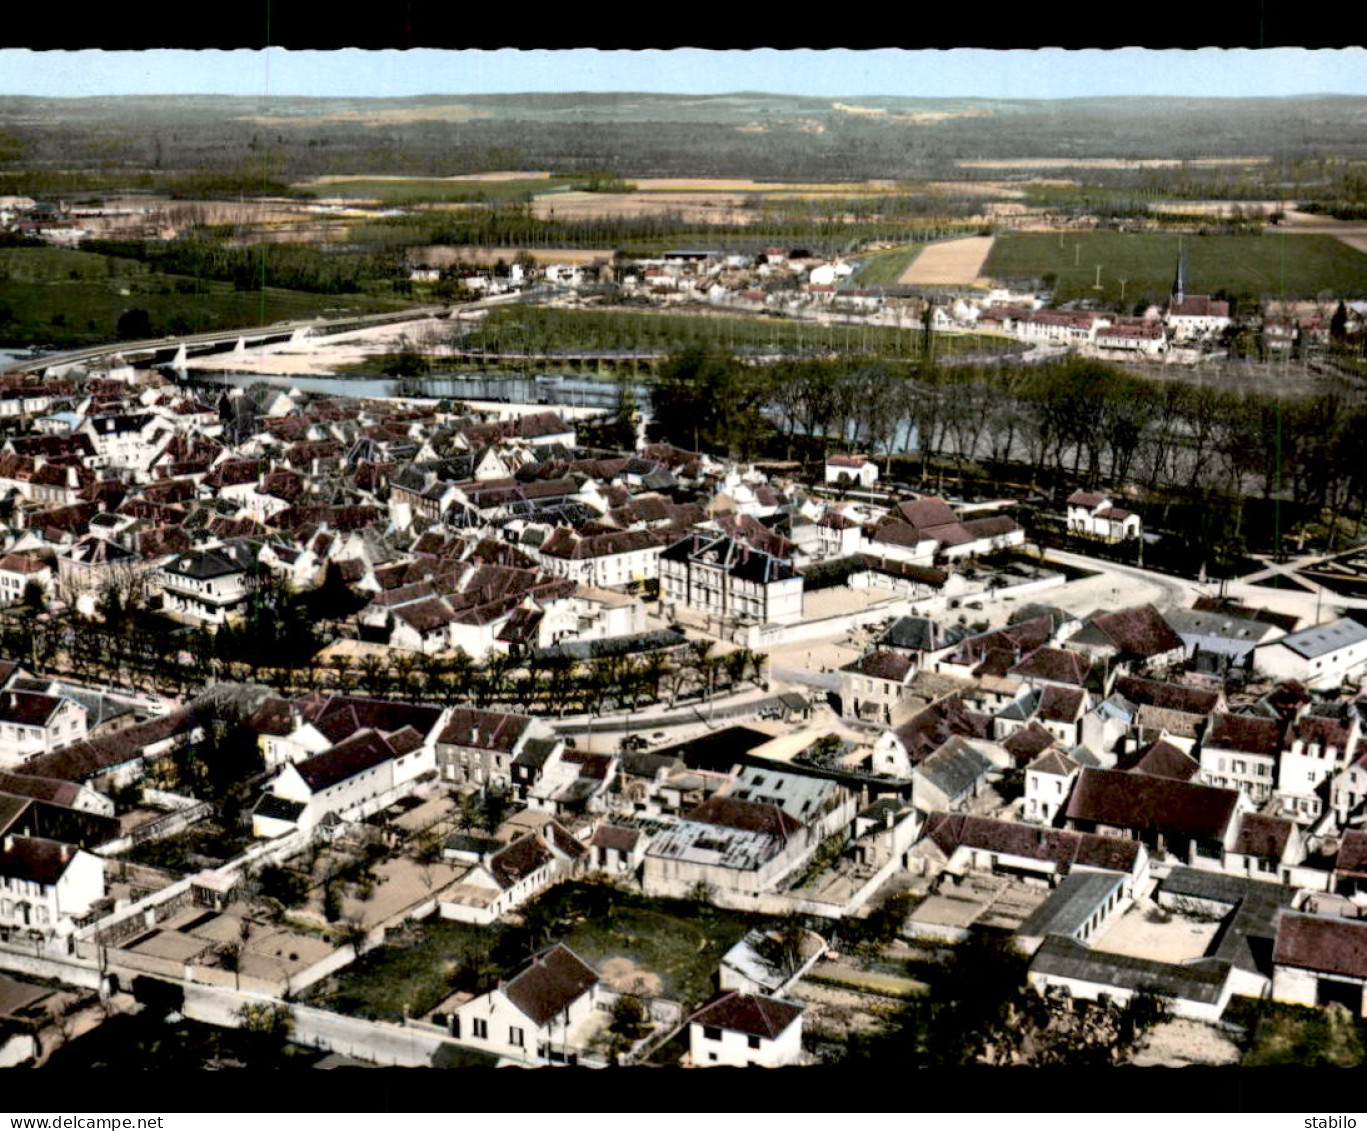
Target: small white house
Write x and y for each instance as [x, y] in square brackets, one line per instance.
[1048, 781]
[1095, 516]
[851, 469]
[32, 723]
[742, 1030]
[45, 884]
[540, 1017]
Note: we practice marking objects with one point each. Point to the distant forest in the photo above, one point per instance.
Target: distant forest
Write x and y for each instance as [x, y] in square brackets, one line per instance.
[745, 135]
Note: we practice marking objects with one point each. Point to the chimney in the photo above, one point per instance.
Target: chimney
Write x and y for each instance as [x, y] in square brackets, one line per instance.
[474, 736]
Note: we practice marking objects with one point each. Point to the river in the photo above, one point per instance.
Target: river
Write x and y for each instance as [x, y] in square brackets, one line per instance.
[560, 389]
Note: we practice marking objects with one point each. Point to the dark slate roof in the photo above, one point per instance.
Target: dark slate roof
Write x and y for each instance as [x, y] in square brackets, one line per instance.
[1200, 981]
[1152, 804]
[955, 768]
[915, 634]
[751, 1014]
[278, 807]
[27, 708]
[535, 752]
[550, 984]
[1071, 904]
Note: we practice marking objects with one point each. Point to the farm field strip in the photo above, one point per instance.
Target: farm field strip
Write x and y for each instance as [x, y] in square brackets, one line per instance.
[950, 262]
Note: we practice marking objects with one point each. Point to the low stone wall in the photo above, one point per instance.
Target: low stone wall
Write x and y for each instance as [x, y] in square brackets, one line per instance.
[72, 970]
[763, 636]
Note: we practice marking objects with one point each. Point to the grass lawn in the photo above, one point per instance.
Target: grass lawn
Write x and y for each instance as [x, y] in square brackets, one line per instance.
[1301, 265]
[679, 940]
[885, 268]
[63, 298]
[414, 971]
[1297, 1035]
[208, 840]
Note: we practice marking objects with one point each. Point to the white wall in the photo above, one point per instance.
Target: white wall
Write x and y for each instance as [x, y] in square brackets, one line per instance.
[733, 1049]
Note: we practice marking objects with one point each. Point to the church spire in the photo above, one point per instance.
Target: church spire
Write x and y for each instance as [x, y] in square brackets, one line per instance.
[1179, 283]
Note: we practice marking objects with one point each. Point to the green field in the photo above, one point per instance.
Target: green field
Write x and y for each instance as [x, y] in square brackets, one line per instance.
[61, 298]
[436, 190]
[1273, 264]
[885, 268]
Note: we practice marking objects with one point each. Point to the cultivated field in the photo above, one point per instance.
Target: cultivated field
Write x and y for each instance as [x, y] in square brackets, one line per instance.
[1272, 264]
[950, 262]
[441, 256]
[743, 184]
[692, 207]
[505, 175]
[1108, 163]
[433, 190]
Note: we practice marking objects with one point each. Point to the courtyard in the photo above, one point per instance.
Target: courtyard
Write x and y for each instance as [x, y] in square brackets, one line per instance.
[1147, 931]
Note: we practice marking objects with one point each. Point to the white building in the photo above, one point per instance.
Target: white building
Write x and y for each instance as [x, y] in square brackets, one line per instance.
[851, 469]
[45, 884]
[1048, 781]
[32, 723]
[1320, 657]
[539, 1017]
[726, 578]
[358, 774]
[1197, 317]
[208, 585]
[741, 1030]
[1095, 516]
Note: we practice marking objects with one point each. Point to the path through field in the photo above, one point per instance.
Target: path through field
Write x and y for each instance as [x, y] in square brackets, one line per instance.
[953, 261]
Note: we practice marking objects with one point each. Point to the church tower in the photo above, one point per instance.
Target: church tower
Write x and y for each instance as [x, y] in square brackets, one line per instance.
[1179, 282]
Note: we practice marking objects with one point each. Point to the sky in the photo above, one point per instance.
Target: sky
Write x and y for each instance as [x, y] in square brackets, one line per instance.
[958, 73]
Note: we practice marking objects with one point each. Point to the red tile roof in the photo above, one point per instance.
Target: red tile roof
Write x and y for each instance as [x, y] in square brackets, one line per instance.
[1244, 733]
[1152, 804]
[550, 984]
[1262, 836]
[1325, 945]
[951, 830]
[751, 1014]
